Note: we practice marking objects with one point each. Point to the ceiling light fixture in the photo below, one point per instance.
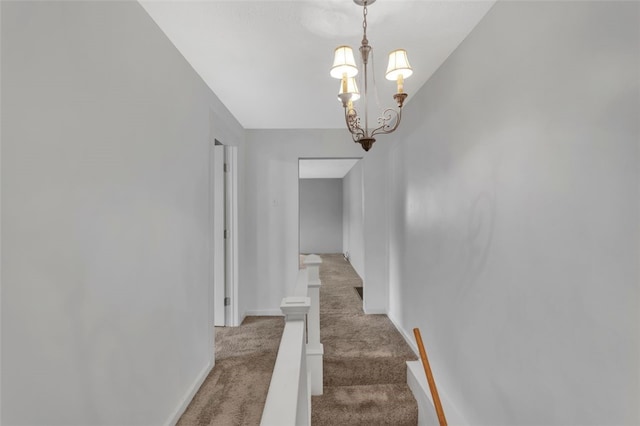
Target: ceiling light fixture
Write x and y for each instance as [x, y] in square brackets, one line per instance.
[345, 69]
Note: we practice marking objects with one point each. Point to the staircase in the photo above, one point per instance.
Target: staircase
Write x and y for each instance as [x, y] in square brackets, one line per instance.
[365, 380]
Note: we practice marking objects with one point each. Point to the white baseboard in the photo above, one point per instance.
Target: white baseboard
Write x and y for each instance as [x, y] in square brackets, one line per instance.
[412, 344]
[264, 313]
[426, 412]
[375, 311]
[189, 396]
[417, 381]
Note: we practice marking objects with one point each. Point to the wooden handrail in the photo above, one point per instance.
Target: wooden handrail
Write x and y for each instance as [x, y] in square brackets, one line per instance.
[430, 380]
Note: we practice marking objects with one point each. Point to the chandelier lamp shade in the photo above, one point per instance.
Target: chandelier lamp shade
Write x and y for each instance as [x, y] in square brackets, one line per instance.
[349, 87]
[344, 63]
[345, 69]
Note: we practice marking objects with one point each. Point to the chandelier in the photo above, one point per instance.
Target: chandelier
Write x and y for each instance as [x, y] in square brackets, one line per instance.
[344, 68]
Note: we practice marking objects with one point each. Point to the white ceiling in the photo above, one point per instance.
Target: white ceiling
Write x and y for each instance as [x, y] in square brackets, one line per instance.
[268, 61]
[323, 168]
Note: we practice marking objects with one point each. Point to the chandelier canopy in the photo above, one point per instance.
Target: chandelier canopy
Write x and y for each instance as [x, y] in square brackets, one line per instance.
[345, 69]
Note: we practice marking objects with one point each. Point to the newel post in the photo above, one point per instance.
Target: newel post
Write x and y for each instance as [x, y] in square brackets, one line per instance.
[315, 350]
[295, 310]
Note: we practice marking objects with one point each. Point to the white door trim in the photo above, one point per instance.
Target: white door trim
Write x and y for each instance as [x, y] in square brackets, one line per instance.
[231, 242]
[218, 207]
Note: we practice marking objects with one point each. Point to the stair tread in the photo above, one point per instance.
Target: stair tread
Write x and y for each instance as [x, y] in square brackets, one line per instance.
[391, 404]
[364, 371]
[355, 334]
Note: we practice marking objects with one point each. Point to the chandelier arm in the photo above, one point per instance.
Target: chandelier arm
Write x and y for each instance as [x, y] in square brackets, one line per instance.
[353, 125]
[385, 120]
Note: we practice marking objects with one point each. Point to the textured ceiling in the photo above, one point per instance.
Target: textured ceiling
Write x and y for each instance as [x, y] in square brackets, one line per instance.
[268, 61]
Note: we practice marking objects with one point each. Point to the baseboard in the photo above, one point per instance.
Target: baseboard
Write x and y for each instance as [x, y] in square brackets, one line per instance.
[375, 311]
[173, 420]
[409, 339]
[426, 412]
[417, 382]
[264, 313]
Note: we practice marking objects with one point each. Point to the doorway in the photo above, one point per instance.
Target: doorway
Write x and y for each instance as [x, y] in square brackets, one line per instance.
[323, 226]
[224, 238]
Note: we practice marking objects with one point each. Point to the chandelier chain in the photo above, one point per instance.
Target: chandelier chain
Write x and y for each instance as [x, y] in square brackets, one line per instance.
[364, 21]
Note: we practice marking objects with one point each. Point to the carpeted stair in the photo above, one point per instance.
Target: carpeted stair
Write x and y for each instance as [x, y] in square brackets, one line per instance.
[365, 380]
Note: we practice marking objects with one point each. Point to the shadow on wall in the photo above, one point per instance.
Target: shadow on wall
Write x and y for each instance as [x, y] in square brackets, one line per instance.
[480, 228]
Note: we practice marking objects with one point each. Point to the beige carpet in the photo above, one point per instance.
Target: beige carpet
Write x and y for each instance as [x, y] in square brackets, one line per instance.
[364, 364]
[364, 358]
[236, 389]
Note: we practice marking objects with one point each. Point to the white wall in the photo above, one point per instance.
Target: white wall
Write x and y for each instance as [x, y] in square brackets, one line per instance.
[375, 227]
[353, 217]
[365, 235]
[514, 216]
[271, 255]
[105, 260]
[320, 215]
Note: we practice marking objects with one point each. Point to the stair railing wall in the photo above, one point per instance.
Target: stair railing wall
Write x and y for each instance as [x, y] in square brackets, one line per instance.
[315, 350]
[297, 373]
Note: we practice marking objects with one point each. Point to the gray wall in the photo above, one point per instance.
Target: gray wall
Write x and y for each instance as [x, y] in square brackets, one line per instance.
[320, 215]
[271, 259]
[105, 216]
[514, 216]
[353, 217]
[365, 235]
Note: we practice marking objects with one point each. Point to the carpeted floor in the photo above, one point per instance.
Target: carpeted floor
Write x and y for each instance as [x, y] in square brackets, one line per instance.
[364, 364]
[365, 380]
[236, 389]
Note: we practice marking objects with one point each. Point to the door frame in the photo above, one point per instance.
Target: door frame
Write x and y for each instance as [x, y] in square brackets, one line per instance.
[223, 220]
[217, 208]
[298, 183]
[231, 240]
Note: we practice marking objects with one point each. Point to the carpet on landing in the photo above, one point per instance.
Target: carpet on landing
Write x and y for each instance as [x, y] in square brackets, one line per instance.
[235, 391]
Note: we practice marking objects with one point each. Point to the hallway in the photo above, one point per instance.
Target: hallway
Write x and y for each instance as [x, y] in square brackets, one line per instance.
[501, 219]
[364, 364]
[364, 360]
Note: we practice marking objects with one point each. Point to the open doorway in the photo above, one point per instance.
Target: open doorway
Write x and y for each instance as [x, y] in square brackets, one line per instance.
[324, 222]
